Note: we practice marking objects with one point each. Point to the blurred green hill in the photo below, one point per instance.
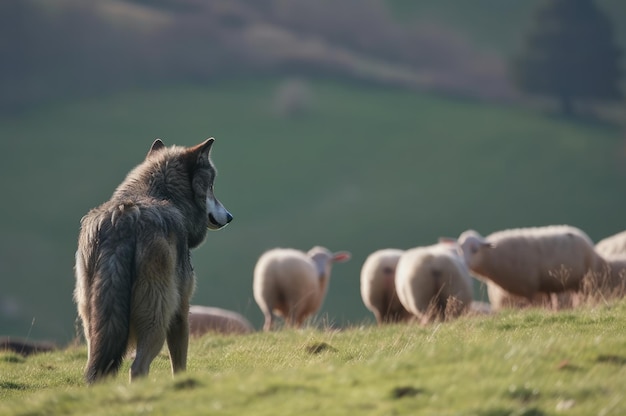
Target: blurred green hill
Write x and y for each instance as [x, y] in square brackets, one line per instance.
[71, 48]
[377, 147]
[363, 169]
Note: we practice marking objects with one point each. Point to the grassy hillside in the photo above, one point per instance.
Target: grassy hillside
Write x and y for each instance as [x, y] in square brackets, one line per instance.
[364, 169]
[516, 363]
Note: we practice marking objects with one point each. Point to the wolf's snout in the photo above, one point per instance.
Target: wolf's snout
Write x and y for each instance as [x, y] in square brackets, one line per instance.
[215, 223]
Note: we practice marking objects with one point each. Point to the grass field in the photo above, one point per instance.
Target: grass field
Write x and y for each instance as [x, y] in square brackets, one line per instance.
[531, 362]
[365, 168]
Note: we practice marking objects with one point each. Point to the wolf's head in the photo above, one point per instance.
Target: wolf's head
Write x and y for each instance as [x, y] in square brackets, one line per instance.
[199, 173]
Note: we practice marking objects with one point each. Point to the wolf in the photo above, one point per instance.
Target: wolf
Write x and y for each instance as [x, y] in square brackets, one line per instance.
[134, 277]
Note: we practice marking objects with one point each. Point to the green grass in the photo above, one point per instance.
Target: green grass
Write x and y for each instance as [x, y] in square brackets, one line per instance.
[366, 168]
[530, 362]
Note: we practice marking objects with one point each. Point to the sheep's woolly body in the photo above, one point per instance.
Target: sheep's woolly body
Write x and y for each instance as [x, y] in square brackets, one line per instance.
[378, 289]
[613, 283]
[433, 282]
[501, 299]
[204, 319]
[527, 261]
[292, 284]
[612, 246]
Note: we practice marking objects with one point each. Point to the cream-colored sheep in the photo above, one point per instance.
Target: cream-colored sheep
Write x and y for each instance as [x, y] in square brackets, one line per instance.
[478, 307]
[25, 346]
[612, 246]
[378, 288]
[501, 299]
[529, 261]
[204, 319]
[292, 284]
[612, 282]
[433, 282]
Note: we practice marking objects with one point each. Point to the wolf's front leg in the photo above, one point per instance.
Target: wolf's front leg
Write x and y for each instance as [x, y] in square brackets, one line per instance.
[178, 338]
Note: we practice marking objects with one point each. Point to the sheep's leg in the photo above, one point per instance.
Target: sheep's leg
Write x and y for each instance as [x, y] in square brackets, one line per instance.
[292, 318]
[379, 317]
[554, 301]
[269, 320]
[300, 320]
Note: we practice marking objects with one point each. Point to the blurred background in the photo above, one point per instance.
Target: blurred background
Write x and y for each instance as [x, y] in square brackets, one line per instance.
[353, 124]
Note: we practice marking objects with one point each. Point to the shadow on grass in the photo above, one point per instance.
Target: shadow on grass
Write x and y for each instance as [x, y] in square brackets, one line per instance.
[10, 385]
[611, 359]
[406, 391]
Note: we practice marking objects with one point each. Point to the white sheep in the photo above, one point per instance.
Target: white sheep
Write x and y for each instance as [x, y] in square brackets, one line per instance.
[501, 299]
[204, 319]
[613, 250]
[614, 284]
[292, 284]
[612, 246]
[378, 288]
[433, 282]
[529, 261]
[478, 307]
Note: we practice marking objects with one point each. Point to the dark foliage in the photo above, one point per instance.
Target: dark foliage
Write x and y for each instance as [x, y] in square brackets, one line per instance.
[570, 54]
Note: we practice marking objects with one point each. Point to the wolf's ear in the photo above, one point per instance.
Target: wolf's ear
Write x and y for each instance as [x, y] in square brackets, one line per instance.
[204, 148]
[156, 146]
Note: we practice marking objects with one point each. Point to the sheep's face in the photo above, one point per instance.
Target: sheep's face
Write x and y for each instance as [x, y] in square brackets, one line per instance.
[472, 247]
[324, 259]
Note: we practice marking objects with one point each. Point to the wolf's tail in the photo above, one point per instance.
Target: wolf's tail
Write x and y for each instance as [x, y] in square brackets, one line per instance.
[110, 293]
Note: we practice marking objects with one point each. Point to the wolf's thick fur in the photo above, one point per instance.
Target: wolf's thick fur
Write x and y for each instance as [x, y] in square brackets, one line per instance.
[134, 277]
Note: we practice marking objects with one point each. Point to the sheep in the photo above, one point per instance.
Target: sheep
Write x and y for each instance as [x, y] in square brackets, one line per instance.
[501, 299]
[478, 307]
[612, 246]
[529, 261]
[25, 347]
[433, 282]
[378, 289]
[204, 319]
[612, 278]
[292, 284]
[610, 282]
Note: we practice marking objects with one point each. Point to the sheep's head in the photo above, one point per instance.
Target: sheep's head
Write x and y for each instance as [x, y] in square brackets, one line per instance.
[472, 247]
[324, 259]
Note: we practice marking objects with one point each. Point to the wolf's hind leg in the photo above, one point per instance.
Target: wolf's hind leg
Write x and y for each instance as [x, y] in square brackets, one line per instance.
[148, 347]
[155, 301]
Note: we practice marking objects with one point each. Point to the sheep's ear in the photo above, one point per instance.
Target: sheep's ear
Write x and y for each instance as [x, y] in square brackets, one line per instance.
[447, 240]
[341, 256]
[156, 146]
